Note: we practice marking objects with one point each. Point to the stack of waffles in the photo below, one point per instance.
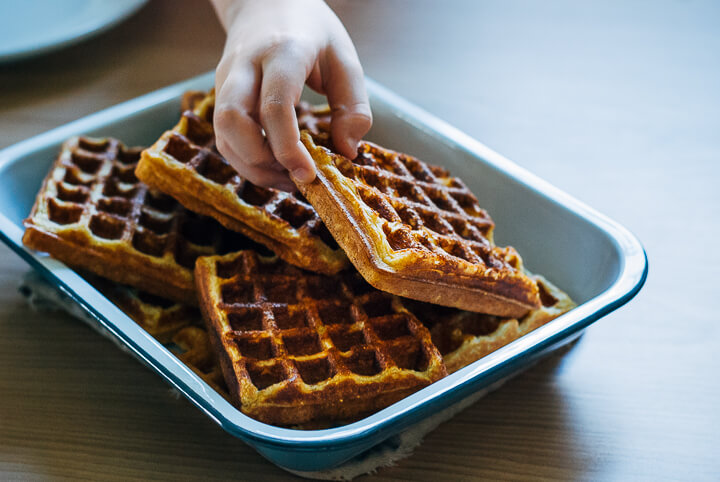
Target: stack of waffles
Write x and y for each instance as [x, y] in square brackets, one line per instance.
[314, 307]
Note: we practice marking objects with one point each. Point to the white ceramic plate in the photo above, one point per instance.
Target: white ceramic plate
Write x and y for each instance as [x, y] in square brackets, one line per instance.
[32, 27]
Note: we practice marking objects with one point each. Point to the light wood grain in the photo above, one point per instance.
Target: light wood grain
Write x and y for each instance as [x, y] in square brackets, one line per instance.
[615, 102]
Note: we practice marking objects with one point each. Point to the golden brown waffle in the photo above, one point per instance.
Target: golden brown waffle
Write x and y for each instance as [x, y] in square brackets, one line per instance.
[463, 336]
[193, 348]
[185, 164]
[93, 213]
[413, 230]
[297, 347]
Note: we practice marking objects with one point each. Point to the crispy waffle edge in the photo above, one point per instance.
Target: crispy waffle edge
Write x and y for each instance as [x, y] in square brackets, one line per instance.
[331, 199]
[509, 330]
[150, 170]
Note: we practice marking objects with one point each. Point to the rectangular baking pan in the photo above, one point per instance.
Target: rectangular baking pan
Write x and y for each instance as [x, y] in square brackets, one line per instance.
[598, 262]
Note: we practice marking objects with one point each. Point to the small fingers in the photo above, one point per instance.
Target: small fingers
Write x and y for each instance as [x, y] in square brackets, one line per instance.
[261, 176]
[261, 170]
[284, 74]
[239, 137]
[345, 87]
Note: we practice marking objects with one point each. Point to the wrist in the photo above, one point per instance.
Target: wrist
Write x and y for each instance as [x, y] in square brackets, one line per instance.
[227, 11]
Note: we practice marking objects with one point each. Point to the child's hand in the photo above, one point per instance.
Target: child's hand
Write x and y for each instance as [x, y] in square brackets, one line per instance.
[273, 48]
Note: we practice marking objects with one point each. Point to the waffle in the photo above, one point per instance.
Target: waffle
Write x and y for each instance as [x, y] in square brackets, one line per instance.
[412, 230]
[463, 336]
[93, 213]
[185, 164]
[298, 347]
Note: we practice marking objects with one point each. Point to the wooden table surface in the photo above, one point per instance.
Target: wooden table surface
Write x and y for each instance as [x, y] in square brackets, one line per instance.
[615, 102]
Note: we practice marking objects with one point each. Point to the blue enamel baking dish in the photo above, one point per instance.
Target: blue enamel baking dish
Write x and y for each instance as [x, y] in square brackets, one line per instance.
[598, 262]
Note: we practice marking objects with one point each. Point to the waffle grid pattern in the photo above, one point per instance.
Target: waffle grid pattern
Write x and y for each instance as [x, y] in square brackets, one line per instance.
[413, 216]
[94, 212]
[285, 222]
[424, 208]
[305, 342]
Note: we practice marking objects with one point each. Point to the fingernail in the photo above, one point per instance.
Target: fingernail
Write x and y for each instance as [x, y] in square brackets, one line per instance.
[353, 143]
[303, 175]
[287, 186]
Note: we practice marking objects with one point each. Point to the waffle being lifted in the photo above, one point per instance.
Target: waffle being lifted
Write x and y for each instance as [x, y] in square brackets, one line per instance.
[185, 164]
[464, 336]
[93, 213]
[412, 230]
[298, 347]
